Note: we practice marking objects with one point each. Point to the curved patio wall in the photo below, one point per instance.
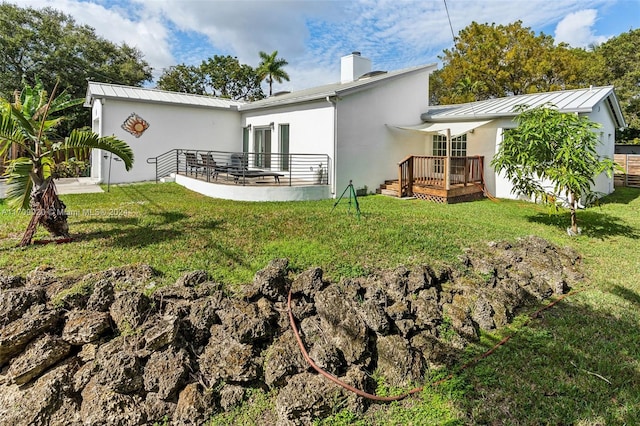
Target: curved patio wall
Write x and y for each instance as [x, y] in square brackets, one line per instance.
[256, 193]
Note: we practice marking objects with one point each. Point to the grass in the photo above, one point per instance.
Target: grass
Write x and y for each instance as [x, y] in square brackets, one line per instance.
[552, 371]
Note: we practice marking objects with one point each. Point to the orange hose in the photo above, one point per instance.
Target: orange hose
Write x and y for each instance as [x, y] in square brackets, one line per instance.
[415, 390]
[334, 378]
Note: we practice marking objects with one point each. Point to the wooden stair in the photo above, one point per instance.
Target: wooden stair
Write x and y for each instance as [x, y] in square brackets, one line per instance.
[390, 188]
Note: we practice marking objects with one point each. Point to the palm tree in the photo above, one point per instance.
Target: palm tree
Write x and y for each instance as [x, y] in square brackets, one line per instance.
[271, 69]
[28, 124]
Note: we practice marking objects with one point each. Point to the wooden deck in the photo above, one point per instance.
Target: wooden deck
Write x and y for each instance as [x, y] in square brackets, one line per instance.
[455, 194]
[438, 179]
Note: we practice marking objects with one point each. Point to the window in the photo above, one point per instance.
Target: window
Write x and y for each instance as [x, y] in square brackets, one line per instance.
[245, 139]
[458, 146]
[262, 147]
[284, 147]
[458, 149]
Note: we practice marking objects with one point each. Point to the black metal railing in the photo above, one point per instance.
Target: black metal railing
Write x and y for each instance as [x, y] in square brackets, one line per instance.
[245, 168]
[166, 163]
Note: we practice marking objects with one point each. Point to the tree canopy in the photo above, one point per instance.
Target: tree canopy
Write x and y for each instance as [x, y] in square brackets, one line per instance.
[491, 61]
[499, 60]
[221, 76]
[49, 46]
[556, 147]
[620, 66]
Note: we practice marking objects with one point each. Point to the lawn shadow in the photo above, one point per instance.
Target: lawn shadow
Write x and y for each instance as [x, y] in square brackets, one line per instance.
[593, 223]
[127, 232]
[627, 294]
[621, 195]
[572, 364]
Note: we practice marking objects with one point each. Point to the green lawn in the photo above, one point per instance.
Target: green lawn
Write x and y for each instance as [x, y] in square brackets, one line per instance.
[552, 371]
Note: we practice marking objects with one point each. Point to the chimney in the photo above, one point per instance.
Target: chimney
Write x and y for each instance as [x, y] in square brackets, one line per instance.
[353, 66]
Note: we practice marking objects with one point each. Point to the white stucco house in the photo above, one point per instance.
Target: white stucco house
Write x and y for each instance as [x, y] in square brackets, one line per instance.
[373, 128]
[476, 128]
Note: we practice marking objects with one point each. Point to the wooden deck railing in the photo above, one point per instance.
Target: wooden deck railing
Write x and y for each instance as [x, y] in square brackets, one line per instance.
[438, 172]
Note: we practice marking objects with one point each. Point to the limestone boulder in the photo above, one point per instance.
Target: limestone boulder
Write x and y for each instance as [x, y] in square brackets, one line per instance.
[82, 327]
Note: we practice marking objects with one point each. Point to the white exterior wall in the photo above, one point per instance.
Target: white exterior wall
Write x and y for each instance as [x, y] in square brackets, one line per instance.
[368, 150]
[311, 128]
[607, 136]
[171, 126]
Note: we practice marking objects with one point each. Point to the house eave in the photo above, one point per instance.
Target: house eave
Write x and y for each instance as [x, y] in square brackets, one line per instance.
[435, 118]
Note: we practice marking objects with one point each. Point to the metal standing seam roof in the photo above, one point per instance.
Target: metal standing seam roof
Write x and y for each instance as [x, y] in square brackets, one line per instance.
[105, 90]
[334, 89]
[578, 100]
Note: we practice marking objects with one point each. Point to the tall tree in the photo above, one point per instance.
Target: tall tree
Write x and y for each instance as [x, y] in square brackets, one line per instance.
[221, 76]
[228, 78]
[48, 45]
[30, 122]
[620, 66]
[501, 60]
[556, 147]
[270, 68]
[183, 78]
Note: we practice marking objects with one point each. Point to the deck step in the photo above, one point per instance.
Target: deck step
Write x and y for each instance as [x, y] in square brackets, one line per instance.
[390, 188]
[389, 192]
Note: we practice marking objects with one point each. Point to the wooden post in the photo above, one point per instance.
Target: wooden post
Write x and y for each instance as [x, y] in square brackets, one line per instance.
[447, 163]
[400, 194]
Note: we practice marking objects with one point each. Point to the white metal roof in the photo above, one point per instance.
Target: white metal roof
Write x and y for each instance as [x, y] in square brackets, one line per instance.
[577, 100]
[335, 89]
[105, 90]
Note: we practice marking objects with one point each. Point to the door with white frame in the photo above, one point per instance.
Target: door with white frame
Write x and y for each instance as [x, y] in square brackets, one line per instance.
[262, 147]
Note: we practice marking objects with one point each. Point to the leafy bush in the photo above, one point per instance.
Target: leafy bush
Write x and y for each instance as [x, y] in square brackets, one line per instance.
[72, 168]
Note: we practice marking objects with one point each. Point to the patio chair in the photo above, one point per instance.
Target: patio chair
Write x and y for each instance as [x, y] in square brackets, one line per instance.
[213, 168]
[192, 162]
[239, 161]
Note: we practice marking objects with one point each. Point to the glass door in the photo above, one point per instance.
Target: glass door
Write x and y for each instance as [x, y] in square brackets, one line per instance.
[262, 147]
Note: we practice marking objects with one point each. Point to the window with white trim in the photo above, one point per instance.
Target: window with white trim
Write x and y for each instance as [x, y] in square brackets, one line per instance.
[458, 145]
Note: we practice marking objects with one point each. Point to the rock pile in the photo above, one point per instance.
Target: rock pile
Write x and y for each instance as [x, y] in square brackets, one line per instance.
[101, 351]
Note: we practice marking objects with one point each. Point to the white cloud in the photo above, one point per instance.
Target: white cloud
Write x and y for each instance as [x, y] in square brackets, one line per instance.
[311, 34]
[130, 25]
[576, 29]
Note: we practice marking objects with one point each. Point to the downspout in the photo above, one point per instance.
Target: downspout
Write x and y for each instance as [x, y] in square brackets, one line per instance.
[100, 132]
[334, 167]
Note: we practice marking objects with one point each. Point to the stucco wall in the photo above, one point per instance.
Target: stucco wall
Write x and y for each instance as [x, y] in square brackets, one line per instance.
[171, 126]
[310, 128]
[368, 150]
[606, 134]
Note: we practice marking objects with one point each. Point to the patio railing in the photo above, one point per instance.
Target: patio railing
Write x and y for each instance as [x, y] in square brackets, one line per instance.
[438, 172]
[245, 168]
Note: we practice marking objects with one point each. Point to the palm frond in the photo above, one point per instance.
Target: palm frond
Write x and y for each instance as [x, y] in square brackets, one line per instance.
[20, 183]
[25, 122]
[66, 102]
[9, 133]
[84, 139]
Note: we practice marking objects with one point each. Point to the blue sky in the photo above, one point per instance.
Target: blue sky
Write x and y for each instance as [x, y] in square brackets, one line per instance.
[312, 35]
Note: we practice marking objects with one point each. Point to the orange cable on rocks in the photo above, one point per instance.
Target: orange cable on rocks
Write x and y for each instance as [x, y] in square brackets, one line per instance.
[415, 390]
[334, 378]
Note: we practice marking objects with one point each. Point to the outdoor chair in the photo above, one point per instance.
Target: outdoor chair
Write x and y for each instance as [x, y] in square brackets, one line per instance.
[211, 166]
[239, 161]
[192, 162]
